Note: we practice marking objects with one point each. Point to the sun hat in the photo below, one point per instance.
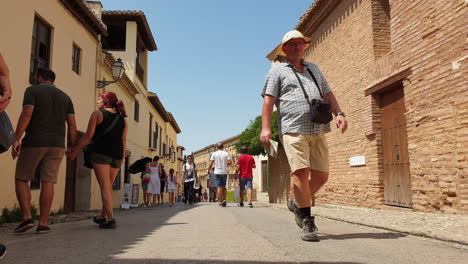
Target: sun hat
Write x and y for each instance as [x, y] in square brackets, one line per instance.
[293, 34]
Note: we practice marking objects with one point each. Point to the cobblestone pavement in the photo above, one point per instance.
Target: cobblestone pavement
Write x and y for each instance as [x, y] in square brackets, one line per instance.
[445, 227]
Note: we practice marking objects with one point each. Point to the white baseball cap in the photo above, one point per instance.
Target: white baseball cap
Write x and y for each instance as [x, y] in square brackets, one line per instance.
[293, 34]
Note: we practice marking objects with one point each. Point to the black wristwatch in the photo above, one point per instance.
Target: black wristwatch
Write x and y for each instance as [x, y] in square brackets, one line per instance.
[340, 114]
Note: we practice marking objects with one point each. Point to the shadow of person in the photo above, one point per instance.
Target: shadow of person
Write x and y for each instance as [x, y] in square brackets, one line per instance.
[361, 235]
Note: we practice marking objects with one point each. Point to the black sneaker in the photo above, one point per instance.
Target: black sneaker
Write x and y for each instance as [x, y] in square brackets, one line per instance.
[24, 226]
[293, 208]
[241, 204]
[99, 220]
[42, 229]
[224, 203]
[2, 251]
[109, 225]
[309, 230]
[250, 205]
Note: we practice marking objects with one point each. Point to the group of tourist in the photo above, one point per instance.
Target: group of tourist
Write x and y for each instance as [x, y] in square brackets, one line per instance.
[293, 86]
[47, 115]
[155, 181]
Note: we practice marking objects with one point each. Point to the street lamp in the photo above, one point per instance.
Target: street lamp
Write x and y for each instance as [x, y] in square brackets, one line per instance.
[118, 70]
[170, 153]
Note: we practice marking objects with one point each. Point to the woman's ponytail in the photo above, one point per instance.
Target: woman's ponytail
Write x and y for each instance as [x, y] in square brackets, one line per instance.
[121, 108]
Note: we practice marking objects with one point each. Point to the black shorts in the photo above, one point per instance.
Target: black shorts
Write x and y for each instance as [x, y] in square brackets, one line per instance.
[163, 185]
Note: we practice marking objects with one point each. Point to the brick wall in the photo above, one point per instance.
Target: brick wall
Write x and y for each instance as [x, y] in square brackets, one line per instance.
[432, 34]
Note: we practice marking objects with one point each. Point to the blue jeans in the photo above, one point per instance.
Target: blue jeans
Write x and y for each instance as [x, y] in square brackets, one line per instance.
[245, 181]
[220, 180]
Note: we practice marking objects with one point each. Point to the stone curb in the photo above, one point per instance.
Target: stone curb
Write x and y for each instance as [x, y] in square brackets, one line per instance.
[329, 212]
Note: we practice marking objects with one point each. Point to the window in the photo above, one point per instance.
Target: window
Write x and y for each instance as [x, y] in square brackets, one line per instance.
[164, 149]
[76, 59]
[150, 131]
[116, 40]
[136, 115]
[155, 139]
[155, 136]
[40, 48]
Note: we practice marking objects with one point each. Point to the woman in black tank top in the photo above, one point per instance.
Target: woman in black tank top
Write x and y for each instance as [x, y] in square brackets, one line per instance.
[106, 136]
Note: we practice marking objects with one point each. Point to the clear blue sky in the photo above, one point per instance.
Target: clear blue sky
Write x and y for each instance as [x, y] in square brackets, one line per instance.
[210, 65]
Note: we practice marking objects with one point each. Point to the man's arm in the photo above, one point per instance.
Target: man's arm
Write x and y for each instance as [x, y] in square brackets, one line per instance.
[71, 130]
[23, 123]
[5, 88]
[211, 166]
[335, 108]
[267, 111]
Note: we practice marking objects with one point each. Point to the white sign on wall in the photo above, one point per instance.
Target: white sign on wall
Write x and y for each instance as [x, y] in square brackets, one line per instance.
[357, 161]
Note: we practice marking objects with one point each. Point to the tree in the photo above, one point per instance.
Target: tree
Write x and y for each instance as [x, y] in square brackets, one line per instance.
[250, 137]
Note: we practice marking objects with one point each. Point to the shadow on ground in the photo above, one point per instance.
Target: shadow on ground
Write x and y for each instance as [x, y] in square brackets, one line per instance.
[361, 235]
[83, 242]
[190, 261]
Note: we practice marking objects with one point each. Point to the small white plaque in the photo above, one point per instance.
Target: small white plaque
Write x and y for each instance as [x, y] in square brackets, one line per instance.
[357, 161]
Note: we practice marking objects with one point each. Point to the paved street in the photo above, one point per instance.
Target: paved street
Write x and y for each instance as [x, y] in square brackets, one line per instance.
[205, 233]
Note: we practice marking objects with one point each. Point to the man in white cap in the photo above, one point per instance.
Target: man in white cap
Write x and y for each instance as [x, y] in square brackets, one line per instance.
[294, 87]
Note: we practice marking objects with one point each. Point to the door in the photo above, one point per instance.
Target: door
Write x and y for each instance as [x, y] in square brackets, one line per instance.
[70, 187]
[264, 175]
[397, 181]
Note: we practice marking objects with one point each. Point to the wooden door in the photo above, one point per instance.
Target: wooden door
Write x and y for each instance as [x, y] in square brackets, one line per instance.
[70, 186]
[397, 181]
[264, 175]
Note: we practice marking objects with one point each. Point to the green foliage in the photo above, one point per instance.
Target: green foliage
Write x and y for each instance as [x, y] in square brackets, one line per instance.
[58, 212]
[230, 197]
[250, 137]
[15, 215]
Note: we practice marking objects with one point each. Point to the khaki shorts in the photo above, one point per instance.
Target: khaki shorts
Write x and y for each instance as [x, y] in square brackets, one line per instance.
[306, 151]
[45, 160]
[98, 158]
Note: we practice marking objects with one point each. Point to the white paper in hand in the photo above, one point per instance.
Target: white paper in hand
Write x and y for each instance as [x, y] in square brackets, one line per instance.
[273, 149]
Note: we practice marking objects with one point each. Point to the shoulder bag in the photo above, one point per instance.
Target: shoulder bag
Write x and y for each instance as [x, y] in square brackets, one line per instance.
[7, 134]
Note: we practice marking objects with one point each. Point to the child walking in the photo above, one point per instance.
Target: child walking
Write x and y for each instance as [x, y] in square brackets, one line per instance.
[171, 186]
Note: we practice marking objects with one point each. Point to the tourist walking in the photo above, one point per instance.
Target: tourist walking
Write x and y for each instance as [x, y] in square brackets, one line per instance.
[211, 185]
[305, 102]
[5, 97]
[246, 164]
[190, 176]
[171, 186]
[163, 179]
[220, 159]
[154, 186]
[46, 109]
[106, 135]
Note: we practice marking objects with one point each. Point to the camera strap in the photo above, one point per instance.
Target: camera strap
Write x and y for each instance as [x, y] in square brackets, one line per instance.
[302, 86]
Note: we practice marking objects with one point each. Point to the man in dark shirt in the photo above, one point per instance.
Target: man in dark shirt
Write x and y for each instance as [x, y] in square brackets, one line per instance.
[45, 111]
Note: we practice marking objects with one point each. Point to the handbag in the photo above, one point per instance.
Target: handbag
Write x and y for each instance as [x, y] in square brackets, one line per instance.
[7, 134]
[320, 111]
[87, 149]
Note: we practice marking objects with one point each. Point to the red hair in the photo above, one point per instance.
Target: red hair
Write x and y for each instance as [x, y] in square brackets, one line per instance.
[110, 100]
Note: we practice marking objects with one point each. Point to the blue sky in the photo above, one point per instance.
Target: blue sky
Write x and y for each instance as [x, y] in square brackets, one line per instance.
[210, 65]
